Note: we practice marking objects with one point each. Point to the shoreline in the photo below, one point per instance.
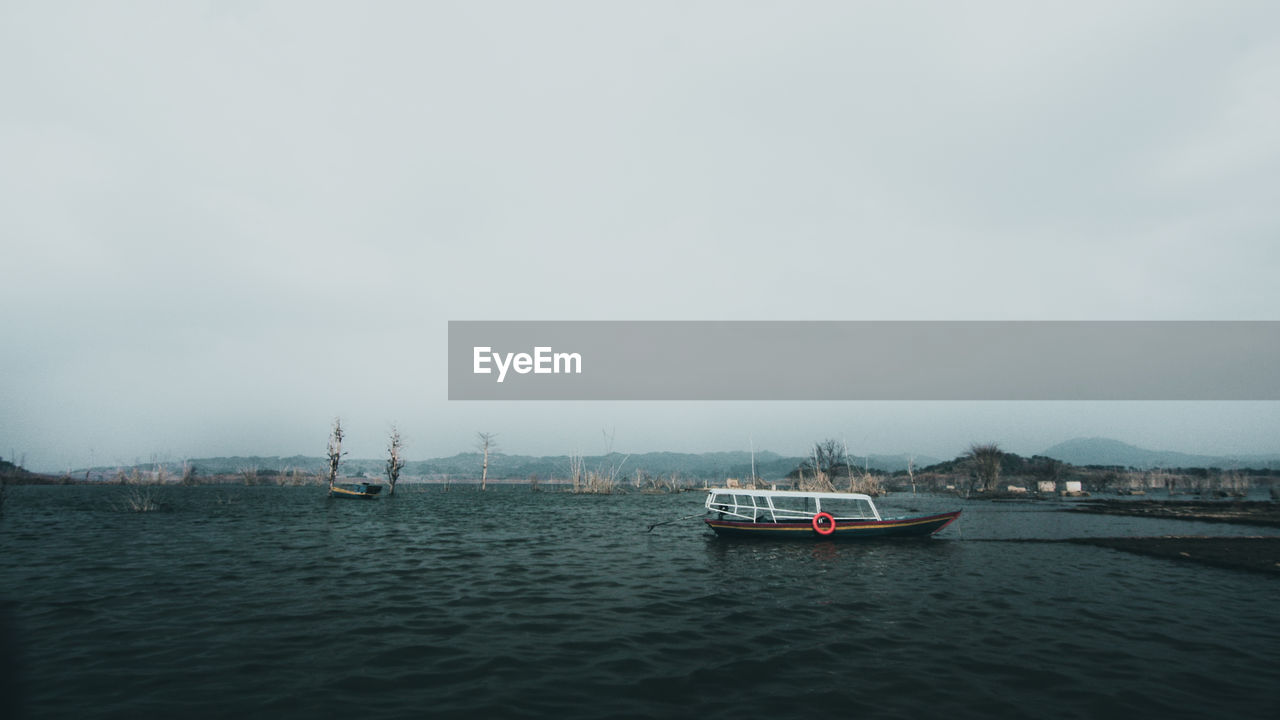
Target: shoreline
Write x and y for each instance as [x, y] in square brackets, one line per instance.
[1238, 512]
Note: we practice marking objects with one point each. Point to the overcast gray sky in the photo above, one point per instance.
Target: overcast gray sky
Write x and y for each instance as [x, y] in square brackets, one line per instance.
[224, 223]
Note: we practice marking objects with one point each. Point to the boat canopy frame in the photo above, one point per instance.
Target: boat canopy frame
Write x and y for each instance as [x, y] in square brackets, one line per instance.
[778, 506]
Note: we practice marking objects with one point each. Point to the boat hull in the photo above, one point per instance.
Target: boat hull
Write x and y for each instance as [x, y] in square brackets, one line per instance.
[905, 527]
[355, 491]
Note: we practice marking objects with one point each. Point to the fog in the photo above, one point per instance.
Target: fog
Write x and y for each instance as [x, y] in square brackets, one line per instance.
[225, 224]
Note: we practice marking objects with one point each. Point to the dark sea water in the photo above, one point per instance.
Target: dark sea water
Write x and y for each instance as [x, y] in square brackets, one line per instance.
[279, 603]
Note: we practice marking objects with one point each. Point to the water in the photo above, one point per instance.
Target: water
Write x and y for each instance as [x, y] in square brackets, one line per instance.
[283, 604]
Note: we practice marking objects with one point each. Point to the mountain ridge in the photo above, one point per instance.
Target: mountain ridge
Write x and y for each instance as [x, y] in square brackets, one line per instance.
[1108, 451]
[1082, 451]
[710, 465]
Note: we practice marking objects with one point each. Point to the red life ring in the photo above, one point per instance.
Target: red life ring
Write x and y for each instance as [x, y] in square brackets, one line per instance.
[830, 527]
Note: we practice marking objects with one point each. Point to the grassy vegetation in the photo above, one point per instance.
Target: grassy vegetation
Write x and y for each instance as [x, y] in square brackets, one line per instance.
[600, 481]
[138, 499]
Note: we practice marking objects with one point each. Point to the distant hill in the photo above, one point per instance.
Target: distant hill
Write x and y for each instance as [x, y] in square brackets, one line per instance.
[710, 466]
[1105, 451]
[10, 471]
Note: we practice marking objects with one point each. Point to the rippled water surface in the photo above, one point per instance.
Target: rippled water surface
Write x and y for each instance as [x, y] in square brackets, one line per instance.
[280, 603]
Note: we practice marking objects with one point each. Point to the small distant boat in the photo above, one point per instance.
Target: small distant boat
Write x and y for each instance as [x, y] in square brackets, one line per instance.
[814, 515]
[355, 491]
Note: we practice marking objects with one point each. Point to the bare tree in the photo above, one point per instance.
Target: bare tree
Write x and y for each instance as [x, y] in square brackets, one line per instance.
[844, 449]
[485, 442]
[394, 462]
[597, 482]
[159, 474]
[984, 459]
[606, 479]
[826, 460]
[576, 470]
[335, 451]
[821, 477]
[829, 457]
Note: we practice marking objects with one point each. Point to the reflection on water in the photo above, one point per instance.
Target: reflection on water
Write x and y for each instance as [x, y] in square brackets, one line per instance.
[278, 602]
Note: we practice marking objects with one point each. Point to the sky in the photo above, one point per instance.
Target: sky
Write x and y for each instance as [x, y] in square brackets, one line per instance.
[224, 224]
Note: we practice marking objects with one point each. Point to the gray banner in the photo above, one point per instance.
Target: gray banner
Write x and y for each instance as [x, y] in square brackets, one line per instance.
[921, 360]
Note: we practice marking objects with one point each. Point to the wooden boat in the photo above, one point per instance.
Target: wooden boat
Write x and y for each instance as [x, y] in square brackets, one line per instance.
[811, 515]
[355, 490]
